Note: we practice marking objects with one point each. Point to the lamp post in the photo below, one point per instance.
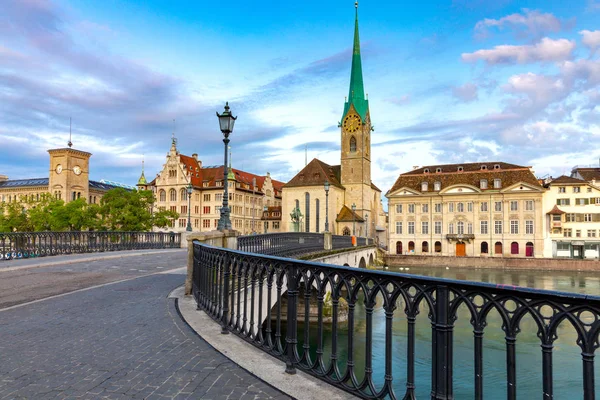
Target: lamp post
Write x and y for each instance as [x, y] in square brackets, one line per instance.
[189, 193]
[266, 216]
[353, 219]
[226, 122]
[326, 206]
[253, 203]
[367, 225]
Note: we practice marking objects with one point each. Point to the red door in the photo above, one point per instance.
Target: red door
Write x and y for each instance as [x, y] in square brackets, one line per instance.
[461, 250]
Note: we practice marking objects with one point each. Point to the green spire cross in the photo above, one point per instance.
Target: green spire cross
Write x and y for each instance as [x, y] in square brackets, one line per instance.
[356, 95]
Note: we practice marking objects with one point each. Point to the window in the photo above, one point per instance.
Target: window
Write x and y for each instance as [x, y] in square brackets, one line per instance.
[307, 211]
[219, 197]
[460, 207]
[426, 170]
[497, 206]
[497, 183]
[589, 190]
[469, 228]
[529, 227]
[411, 228]
[206, 210]
[411, 208]
[437, 186]
[581, 202]
[398, 208]
[398, 228]
[498, 227]
[514, 248]
[162, 195]
[484, 248]
[483, 206]
[425, 247]
[576, 189]
[591, 233]
[207, 197]
[568, 232]
[450, 229]
[424, 186]
[528, 205]
[469, 207]
[483, 184]
[438, 170]
[587, 217]
[437, 226]
[578, 233]
[425, 228]
[570, 217]
[514, 205]
[183, 194]
[514, 227]
[275, 224]
[562, 189]
[556, 218]
[173, 208]
[206, 223]
[182, 223]
[460, 228]
[425, 208]
[172, 195]
[317, 215]
[450, 207]
[184, 209]
[563, 202]
[483, 227]
[353, 144]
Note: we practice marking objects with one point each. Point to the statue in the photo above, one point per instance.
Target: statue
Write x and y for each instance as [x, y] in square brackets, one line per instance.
[296, 216]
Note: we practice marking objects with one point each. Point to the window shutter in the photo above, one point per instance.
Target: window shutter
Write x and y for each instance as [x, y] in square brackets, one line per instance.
[568, 202]
[579, 217]
[596, 217]
[587, 201]
[558, 202]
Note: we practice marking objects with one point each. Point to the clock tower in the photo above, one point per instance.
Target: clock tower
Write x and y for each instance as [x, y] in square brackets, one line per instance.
[355, 136]
[69, 173]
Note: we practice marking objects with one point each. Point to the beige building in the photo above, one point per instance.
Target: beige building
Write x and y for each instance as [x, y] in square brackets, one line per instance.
[349, 183]
[476, 209]
[68, 180]
[249, 194]
[572, 222]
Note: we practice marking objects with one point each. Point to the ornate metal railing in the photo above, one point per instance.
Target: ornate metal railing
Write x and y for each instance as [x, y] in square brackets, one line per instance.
[39, 244]
[279, 305]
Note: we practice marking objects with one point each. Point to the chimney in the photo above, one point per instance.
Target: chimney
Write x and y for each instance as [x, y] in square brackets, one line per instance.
[195, 156]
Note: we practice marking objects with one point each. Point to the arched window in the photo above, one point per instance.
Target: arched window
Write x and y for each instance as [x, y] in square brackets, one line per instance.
[484, 248]
[438, 247]
[398, 247]
[529, 249]
[297, 204]
[346, 231]
[183, 194]
[307, 211]
[498, 248]
[352, 144]
[460, 228]
[514, 248]
[172, 195]
[317, 205]
[411, 246]
[162, 195]
[425, 247]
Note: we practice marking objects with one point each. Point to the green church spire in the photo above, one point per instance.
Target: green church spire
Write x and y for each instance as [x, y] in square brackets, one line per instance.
[356, 95]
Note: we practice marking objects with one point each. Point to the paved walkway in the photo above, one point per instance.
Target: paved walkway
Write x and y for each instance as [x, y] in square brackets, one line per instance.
[122, 340]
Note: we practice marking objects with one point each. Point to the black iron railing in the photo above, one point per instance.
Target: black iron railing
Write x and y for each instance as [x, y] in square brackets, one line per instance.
[39, 244]
[280, 306]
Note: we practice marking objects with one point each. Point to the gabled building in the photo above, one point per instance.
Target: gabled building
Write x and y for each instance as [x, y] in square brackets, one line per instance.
[353, 204]
[249, 194]
[487, 209]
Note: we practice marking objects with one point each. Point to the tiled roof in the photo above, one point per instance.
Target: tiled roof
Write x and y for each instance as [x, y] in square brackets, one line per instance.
[589, 174]
[317, 173]
[24, 183]
[347, 215]
[192, 166]
[471, 174]
[271, 215]
[555, 211]
[567, 180]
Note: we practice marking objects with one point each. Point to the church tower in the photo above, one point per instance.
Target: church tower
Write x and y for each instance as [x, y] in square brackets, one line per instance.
[355, 136]
[69, 173]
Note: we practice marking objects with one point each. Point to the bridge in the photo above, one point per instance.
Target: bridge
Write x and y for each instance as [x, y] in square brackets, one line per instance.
[294, 326]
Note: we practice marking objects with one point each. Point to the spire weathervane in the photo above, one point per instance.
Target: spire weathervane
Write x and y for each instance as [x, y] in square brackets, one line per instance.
[70, 143]
[173, 139]
[356, 4]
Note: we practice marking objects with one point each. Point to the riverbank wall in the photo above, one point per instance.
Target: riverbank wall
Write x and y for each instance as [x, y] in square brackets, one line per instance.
[495, 263]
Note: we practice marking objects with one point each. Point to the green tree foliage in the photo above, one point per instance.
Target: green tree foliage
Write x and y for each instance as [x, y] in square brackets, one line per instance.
[119, 210]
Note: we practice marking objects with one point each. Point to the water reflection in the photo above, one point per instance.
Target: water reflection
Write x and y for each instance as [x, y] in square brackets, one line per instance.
[567, 355]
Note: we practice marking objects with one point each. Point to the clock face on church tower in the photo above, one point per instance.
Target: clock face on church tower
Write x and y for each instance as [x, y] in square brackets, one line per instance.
[352, 123]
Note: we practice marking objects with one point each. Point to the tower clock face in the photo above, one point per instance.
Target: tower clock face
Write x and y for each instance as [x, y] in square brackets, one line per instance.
[352, 123]
[77, 170]
[59, 168]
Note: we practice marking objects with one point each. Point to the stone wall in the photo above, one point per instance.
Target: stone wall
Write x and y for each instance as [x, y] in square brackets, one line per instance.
[494, 263]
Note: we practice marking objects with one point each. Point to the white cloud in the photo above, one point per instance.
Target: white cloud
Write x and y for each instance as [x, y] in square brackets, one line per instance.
[546, 50]
[531, 23]
[466, 92]
[587, 71]
[591, 39]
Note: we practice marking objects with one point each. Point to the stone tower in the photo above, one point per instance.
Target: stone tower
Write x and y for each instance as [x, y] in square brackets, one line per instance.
[69, 173]
[355, 136]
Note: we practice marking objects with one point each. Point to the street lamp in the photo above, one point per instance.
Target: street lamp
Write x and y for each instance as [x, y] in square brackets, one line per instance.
[189, 193]
[266, 216]
[367, 225]
[353, 219]
[226, 122]
[326, 206]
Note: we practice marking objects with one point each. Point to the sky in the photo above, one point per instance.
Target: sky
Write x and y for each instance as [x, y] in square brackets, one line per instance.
[448, 81]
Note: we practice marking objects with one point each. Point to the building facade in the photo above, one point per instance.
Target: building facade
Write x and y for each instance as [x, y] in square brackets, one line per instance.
[254, 200]
[489, 209]
[69, 179]
[572, 221]
[352, 205]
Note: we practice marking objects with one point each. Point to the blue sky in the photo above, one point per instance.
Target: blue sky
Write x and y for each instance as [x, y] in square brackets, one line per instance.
[448, 82]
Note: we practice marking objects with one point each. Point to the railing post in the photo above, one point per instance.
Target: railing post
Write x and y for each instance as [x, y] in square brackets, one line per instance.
[291, 337]
[225, 298]
[443, 346]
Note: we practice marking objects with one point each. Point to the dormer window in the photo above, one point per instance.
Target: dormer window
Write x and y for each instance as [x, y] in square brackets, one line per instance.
[438, 170]
[483, 184]
[497, 166]
[483, 167]
[426, 170]
[424, 186]
[497, 183]
[460, 169]
[437, 186]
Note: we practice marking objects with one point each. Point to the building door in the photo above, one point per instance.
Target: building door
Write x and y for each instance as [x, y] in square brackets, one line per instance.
[398, 247]
[461, 250]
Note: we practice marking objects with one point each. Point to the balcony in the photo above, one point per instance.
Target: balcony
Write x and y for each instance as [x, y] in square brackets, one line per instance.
[460, 237]
[556, 224]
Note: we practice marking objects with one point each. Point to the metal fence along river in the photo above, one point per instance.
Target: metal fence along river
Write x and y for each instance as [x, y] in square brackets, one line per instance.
[285, 307]
[40, 244]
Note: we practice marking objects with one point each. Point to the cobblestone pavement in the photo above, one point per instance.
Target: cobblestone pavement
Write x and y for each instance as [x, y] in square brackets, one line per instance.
[119, 341]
